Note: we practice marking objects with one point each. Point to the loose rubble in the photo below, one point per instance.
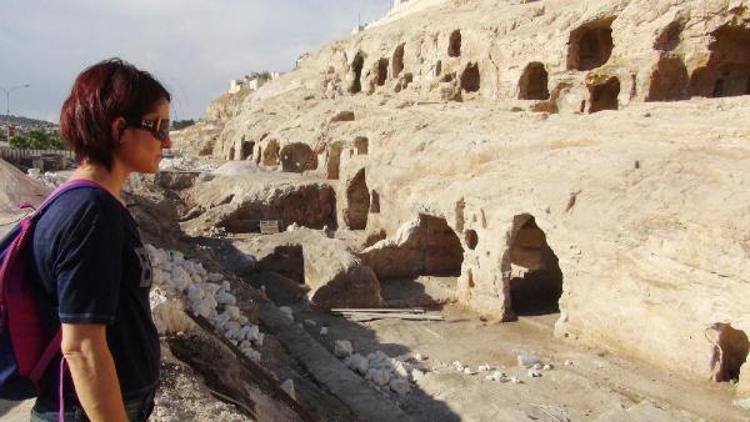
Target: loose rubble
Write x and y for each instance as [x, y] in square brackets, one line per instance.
[47, 179]
[384, 372]
[185, 163]
[207, 294]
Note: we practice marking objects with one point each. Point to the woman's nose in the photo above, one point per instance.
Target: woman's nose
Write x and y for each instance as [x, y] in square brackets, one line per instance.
[167, 144]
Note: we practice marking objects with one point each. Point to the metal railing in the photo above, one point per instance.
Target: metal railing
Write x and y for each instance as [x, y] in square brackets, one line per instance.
[15, 154]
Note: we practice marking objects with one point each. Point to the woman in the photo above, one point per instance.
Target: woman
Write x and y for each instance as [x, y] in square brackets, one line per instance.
[93, 270]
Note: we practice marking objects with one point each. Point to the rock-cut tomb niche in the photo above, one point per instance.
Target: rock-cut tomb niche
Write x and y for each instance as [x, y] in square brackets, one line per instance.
[311, 206]
[669, 80]
[298, 157]
[246, 149]
[533, 83]
[603, 95]
[357, 202]
[536, 281]
[471, 238]
[333, 165]
[428, 247]
[356, 69]
[729, 350]
[470, 78]
[454, 44]
[381, 72]
[590, 45]
[727, 72]
[397, 62]
[286, 260]
[669, 38]
[270, 155]
[361, 144]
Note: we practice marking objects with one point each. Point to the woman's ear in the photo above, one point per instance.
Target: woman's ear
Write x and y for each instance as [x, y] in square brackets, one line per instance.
[118, 127]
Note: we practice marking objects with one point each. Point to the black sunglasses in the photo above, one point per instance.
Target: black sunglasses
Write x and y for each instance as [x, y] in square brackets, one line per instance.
[159, 127]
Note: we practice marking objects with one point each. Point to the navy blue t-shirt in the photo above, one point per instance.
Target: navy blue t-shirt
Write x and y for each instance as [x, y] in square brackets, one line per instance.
[93, 269]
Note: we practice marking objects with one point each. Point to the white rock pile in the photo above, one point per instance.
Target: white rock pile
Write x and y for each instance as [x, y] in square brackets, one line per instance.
[384, 372]
[207, 294]
[47, 179]
[184, 163]
[533, 363]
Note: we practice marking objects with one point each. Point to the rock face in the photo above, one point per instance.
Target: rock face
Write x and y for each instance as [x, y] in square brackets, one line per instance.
[593, 152]
[16, 187]
[198, 139]
[334, 276]
[238, 203]
[425, 246]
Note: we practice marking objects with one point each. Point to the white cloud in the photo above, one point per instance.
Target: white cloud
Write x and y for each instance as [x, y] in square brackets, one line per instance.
[193, 46]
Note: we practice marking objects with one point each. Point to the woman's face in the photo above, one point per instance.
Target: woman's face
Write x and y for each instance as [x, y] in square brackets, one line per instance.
[140, 150]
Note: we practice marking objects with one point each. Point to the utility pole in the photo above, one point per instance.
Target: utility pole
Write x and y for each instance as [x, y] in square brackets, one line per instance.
[8, 92]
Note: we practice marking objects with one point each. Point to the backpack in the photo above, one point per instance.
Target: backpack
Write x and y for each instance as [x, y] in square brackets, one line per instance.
[25, 351]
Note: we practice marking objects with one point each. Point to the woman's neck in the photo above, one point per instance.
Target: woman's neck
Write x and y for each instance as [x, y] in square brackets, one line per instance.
[112, 180]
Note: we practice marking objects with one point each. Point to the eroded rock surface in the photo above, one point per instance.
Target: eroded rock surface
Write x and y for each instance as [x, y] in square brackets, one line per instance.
[618, 127]
[334, 276]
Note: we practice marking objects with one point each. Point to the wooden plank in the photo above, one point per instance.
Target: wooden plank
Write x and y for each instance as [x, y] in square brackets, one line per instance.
[269, 226]
[378, 310]
[408, 317]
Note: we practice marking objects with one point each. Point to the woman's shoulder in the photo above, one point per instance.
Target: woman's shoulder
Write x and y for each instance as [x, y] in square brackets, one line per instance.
[84, 205]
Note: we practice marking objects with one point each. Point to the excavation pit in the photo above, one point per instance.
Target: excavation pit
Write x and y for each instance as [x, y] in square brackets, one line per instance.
[312, 205]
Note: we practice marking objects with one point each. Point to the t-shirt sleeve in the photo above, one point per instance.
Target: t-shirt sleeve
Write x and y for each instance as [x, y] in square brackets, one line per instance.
[88, 268]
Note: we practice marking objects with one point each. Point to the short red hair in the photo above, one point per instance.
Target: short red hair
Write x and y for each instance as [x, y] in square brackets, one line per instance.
[105, 91]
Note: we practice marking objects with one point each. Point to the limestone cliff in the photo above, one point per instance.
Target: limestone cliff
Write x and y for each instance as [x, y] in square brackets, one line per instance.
[597, 151]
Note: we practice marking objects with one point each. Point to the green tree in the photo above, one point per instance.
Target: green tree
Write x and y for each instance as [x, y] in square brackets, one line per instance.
[182, 124]
[3, 135]
[264, 76]
[20, 141]
[58, 142]
[36, 139]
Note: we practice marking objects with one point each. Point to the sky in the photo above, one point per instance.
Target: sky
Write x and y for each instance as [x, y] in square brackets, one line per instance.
[194, 47]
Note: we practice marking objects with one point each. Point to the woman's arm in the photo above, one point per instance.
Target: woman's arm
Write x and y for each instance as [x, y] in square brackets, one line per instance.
[93, 370]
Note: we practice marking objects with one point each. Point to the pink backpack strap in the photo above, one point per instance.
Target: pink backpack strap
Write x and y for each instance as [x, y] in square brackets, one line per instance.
[49, 353]
[60, 393]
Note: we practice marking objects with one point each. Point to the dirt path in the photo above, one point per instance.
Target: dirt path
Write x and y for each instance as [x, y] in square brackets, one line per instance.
[595, 385]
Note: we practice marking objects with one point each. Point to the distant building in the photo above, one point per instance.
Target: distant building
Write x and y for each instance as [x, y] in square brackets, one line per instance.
[253, 82]
[359, 28]
[300, 59]
[235, 85]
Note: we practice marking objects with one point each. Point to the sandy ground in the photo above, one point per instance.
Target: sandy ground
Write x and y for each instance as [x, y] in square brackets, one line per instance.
[595, 385]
